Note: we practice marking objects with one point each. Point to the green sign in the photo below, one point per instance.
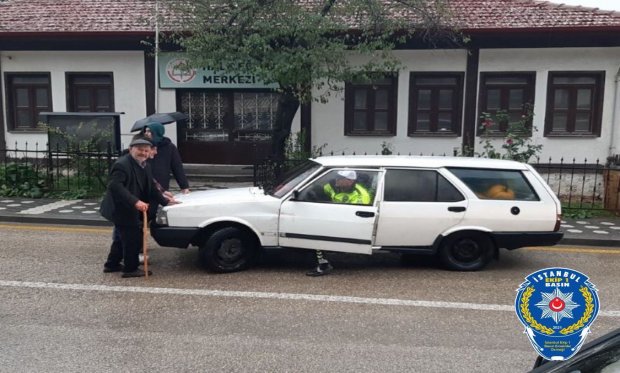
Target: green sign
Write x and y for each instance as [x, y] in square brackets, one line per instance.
[174, 73]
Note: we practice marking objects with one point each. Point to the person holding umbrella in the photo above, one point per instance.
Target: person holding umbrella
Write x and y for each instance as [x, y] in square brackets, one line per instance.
[167, 161]
[129, 192]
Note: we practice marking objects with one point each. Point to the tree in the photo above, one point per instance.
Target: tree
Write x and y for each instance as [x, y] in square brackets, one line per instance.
[305, 46]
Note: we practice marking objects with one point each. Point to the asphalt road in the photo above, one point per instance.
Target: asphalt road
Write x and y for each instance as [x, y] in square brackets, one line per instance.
[60, 313]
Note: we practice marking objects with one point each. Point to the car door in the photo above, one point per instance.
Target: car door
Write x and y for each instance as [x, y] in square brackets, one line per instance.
[309, 219]
[418, 205]
[507, 200]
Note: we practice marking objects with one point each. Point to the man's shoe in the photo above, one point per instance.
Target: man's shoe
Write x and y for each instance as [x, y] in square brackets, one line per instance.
[321, 270]
[113, 268]
[136, 273]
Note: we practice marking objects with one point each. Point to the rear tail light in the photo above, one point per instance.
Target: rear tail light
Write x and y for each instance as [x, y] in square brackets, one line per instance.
[558, 222]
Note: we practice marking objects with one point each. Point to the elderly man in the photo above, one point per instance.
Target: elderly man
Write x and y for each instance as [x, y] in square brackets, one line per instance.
[347, 190]
[130, 190]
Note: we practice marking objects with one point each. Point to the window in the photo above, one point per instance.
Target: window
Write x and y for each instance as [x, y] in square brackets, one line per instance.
[435, 103]
[419, 186]
[28, 94]
[496, 184]
[332, 187]
[229, 116]
[370, 108]
[507, 93]
[90, 92]
[574, 103]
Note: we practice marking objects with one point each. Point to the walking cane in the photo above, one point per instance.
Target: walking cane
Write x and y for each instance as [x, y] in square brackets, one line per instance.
[144, 248]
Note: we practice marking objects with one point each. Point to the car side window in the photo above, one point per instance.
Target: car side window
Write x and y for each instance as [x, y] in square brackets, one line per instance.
[331, 188]
[419, 186]
[496, 184]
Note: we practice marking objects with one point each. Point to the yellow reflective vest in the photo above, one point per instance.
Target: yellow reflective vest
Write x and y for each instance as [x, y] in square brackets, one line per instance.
[358, 196]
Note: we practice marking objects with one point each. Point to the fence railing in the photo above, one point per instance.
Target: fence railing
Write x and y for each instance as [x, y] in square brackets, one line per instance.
[584, 185]
[43, 171]
[39, 172]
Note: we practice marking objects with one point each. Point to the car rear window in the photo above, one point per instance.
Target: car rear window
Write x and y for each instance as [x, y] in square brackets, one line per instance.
[419, 186]
[496, 184]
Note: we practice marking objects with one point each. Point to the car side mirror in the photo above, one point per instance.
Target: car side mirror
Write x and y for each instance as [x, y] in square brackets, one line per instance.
[295, 195]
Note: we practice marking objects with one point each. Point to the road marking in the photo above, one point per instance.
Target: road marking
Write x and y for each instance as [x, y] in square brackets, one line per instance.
[575, 250]
[55, 229]
[266, 295]
[49, 207]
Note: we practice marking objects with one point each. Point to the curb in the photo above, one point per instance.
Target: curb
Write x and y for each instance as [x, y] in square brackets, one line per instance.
[59, 221]
[589, 242]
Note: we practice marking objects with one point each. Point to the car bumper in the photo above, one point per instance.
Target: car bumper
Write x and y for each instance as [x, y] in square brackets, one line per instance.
[515, 240]
[174, 236]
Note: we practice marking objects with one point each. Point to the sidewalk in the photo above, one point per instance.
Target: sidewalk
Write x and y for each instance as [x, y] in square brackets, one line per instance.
[590, 232]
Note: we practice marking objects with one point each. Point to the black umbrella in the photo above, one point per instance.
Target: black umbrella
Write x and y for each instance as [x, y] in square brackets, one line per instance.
[163, 118]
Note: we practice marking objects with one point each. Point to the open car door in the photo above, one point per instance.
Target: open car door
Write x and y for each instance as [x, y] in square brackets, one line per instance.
[310, 219]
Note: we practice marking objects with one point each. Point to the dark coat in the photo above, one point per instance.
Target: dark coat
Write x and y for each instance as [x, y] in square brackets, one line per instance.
[126, 185]
[166, 161]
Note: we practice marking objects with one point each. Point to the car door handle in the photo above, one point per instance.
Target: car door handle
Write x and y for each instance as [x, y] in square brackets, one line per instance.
[456, 208]
[365, 214]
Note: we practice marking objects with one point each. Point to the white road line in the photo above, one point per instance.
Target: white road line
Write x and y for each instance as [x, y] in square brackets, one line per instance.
[48, 207]
[266, 295]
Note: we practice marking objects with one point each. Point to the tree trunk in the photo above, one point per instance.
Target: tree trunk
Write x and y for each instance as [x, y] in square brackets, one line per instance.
[288, 104]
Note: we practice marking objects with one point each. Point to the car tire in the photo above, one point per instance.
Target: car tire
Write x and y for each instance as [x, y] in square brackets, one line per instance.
[466, 251]
[228, 249]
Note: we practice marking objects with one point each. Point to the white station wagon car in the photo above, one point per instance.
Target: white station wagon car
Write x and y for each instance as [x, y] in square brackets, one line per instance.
[462, 210]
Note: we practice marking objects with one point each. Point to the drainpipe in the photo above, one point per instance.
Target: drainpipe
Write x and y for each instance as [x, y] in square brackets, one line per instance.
[3, 127]
[614, 113]
[157, 56]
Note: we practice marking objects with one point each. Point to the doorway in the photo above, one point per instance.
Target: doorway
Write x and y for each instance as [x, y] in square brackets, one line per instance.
[226, 127]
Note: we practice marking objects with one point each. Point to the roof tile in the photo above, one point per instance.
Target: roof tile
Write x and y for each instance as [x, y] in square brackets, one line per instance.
[129, 16]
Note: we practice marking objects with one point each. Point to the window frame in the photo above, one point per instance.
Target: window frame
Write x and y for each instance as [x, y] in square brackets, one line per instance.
[392, 102]
[481, 186]
[529, 89]
[457, 104]
[11, 104]
[72, 86]
[596, 111]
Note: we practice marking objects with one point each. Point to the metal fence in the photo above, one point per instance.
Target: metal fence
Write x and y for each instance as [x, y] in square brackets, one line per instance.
[41, 172]
[45, 172]
[583, 185]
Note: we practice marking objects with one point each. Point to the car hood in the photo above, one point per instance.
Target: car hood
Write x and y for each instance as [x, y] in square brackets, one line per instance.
[221, 196]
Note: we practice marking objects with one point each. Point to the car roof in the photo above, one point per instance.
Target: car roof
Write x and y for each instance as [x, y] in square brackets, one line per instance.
[416, 161]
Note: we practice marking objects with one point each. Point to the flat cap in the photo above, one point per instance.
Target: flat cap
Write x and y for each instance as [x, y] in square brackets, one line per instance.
[140, 142]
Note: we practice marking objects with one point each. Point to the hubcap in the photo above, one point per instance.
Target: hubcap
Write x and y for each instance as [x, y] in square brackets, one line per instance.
[466, 250]
[230, 250]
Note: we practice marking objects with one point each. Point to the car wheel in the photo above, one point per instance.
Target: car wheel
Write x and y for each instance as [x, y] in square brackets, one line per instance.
[466, 251]
[229, 249]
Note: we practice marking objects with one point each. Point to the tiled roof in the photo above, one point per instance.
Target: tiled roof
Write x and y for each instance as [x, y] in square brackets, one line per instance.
[529, 14]
[69, 16]
[129, 16]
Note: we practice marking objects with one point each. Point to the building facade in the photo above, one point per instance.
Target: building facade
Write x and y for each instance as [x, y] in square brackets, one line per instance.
[562, 62]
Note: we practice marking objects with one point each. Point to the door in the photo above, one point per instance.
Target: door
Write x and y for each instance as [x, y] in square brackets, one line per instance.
[418, 206]
[309, 219]
[226, 127]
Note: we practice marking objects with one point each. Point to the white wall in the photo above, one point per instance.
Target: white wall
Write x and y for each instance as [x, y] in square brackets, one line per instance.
[328, 119]
[128, 72]
[542, 61]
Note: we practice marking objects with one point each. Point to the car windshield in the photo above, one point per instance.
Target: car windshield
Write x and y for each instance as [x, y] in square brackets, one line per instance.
[293, 177]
